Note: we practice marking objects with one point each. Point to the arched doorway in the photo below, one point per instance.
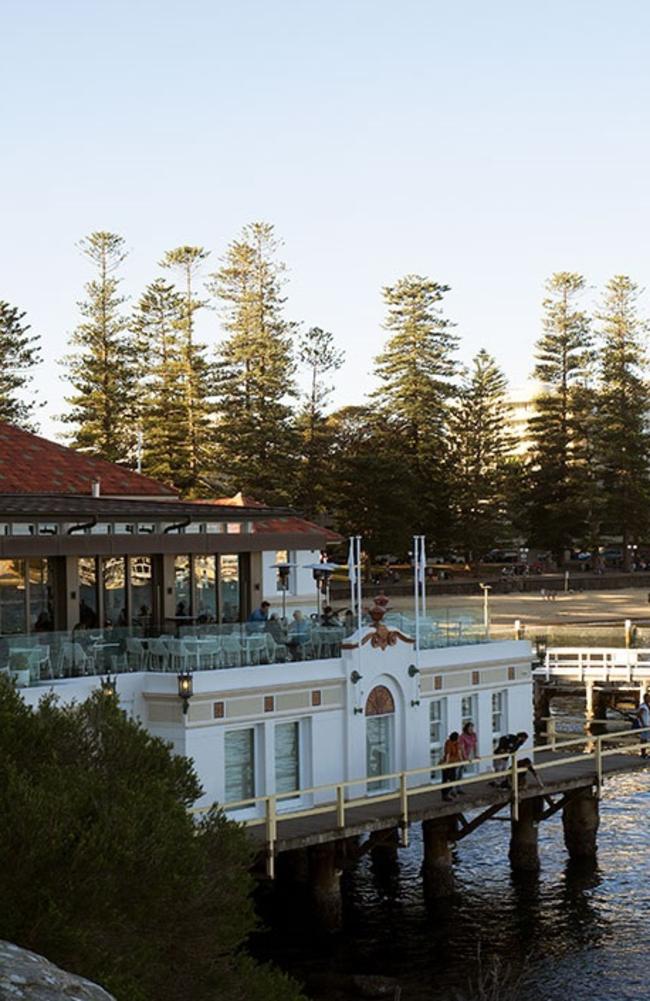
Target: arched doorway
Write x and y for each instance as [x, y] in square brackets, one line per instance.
[380, 737]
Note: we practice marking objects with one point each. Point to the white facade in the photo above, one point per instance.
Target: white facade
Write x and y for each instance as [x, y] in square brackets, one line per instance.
[254, 731]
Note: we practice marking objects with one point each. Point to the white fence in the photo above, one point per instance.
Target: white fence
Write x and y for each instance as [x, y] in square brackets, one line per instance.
[610, 664]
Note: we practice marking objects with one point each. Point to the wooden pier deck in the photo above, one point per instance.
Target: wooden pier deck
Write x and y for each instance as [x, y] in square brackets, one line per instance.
[560, 775]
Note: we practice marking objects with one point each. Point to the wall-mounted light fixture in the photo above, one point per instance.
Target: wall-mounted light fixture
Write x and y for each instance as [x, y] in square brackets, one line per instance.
[415, 702]
[109, 686]
[413, 670]
[357, 710]
[185, 688]
[355, 677]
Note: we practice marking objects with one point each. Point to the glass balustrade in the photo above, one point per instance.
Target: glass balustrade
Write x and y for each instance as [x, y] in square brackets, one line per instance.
[46, 656]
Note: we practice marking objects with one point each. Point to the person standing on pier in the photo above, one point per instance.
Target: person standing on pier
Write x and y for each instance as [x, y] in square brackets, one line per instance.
[644, 721]
[453, 758]
[468, 743]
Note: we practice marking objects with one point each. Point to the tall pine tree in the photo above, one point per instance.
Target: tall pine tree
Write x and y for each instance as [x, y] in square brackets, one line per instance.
[558, 471]
[161, 402]
[482, 444]
[186, 262]
[623, 440]
[255, 369]
[100, 370]
[319, 355]
[415, 370]
[19, 354]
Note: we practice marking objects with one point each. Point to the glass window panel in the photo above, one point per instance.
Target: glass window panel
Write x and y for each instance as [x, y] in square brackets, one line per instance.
[240, 764]
[287, 757]
[205, 583]
[22, 528]
[141, 589]
[12, 596]
[468, 710]
[499, 721]
[88, 601]
[41, 596]
[437, 733]
[229, 587]
[182, 586]
[114, 590]
[378, 749]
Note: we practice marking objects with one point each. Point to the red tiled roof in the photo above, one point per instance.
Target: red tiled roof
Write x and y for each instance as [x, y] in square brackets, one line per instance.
[292, 523]
[33, 465]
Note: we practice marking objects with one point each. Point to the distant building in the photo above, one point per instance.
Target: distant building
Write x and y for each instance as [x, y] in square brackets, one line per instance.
[84, 542]
[521, 408]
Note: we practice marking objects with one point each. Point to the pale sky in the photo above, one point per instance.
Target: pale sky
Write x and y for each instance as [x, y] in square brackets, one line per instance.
[485, 145]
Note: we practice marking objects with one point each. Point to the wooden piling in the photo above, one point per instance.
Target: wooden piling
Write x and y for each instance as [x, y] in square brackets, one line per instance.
[580, 818]
[437, 869]
[524, 854]
[541, 705]
[325, 885]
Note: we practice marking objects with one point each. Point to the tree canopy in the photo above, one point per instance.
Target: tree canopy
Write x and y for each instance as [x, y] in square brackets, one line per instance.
[104, 870]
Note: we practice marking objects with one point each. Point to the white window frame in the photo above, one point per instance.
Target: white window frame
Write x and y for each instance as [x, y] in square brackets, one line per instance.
[436, 747]
[240, 811]
[290, 802]
[502, 711]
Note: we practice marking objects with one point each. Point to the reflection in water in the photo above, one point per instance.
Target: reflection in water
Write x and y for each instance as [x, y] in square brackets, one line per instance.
[578, 932]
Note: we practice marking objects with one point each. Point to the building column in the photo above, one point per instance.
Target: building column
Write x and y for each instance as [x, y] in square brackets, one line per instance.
[523, 854]
[437, 869]
[580, 818]
[325, 885]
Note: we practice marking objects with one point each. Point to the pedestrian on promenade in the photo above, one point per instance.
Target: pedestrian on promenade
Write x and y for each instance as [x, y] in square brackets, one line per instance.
[453, 758]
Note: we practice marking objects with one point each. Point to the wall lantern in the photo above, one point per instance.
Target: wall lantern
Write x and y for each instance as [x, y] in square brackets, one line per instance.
[185, 688]
[357, 710]
[109, 686]
[355, 677]
[540, 648]
[413, 670]
[415, 702]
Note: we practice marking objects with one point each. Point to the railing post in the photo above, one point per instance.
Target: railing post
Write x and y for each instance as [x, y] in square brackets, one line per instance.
[271, 835]
[599, 765]
[404, 810]
[515, 788]
[552, 731]
[340, 806]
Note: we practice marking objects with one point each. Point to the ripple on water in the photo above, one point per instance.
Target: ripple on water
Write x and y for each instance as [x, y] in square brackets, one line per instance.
[582, 935]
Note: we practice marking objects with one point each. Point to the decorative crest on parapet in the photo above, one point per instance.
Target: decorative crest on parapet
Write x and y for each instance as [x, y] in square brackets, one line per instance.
[382, 637]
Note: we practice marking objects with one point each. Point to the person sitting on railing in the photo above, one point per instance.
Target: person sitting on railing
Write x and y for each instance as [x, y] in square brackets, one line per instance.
[643, 715]
[509, 743]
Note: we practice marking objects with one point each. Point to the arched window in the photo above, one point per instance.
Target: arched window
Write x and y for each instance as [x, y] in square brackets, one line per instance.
[380, 702]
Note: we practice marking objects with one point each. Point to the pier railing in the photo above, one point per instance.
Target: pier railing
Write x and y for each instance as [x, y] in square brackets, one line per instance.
[611, 664]
[506, 771]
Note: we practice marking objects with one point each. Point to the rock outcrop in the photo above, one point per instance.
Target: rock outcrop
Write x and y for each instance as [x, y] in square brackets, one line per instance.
[26, 976]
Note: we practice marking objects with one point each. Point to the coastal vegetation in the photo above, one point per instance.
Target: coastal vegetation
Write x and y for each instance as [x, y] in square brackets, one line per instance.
[104, 870]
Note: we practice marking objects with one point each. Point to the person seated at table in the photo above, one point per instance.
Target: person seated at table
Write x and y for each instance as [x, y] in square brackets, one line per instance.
[259, 616]
[329, 617]
[299, 635]
[349, 623]
[275, 628]
[181, 610]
